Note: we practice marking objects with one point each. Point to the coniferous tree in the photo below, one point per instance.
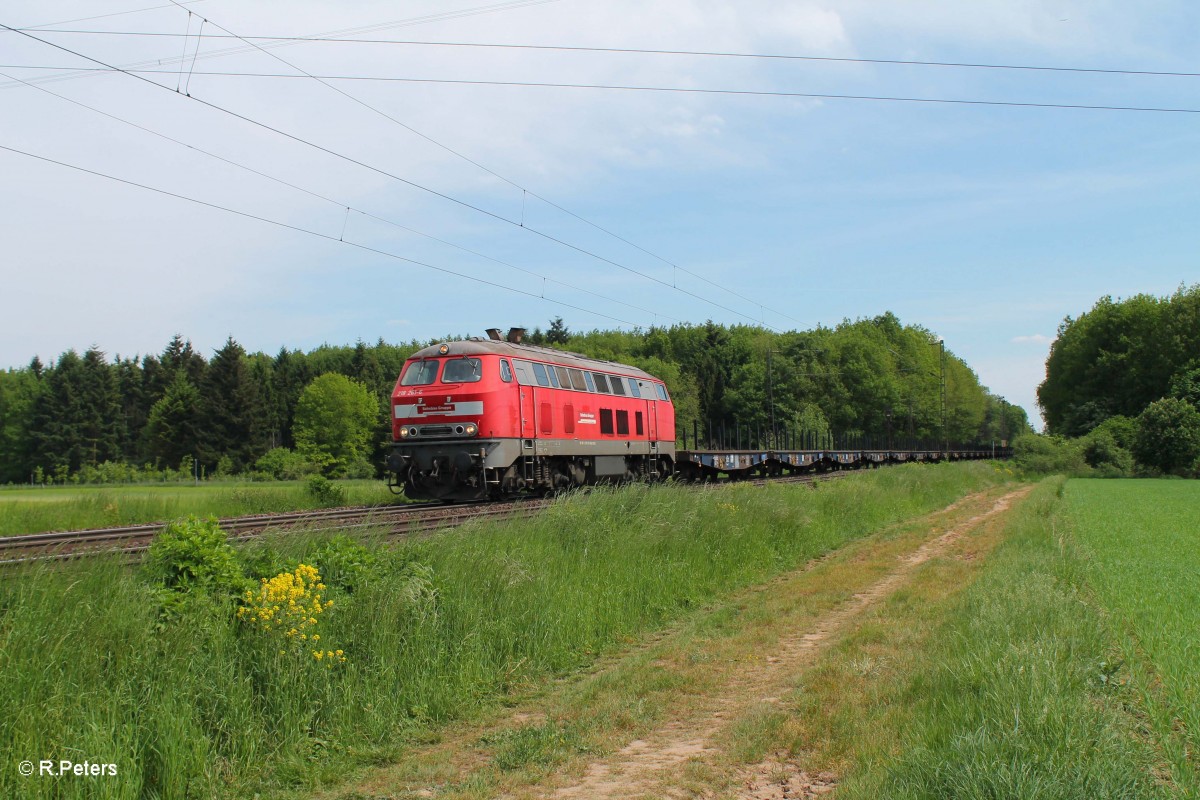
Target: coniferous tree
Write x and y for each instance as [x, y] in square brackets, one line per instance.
[135, 408]
[20, 394]
[225, 423]
[173, 428]
[99, 420]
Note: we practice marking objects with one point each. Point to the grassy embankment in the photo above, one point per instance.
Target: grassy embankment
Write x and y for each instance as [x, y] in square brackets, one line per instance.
[53, 508]
[199, 703]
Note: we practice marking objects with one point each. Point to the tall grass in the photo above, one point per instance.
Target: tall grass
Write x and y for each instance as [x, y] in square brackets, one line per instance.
[197, 704]
[27, 510]
[1020, 693]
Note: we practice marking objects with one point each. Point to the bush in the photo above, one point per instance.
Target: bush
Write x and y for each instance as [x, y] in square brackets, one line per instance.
[193, 556]
[327, 493]
[345, 563]
[1123, 430]
[1168, 436]
[1102, 453]
[283, 464]
[1048, 455]
[360, 469]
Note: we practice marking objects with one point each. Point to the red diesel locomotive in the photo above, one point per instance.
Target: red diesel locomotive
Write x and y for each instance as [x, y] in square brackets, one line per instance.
[488, 418]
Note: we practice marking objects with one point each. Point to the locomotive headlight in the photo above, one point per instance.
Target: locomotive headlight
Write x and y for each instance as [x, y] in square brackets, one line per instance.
[404, 433]
[472, 429]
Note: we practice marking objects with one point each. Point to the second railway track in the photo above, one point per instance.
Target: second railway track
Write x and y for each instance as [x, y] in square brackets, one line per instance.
[393, 520]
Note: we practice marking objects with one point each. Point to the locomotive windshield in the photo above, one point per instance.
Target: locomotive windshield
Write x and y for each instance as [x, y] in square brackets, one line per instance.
[462, 370]
[420, 373]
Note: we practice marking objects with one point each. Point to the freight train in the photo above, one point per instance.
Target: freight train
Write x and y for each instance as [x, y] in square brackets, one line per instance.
[485, 419]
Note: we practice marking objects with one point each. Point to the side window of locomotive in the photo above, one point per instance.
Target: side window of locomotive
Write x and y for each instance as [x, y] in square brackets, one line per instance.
[505, 371]
[601, 383]
[633, 388]
[420, 373]
[539, 372]
[577, 379]
[564, 380]
[618, 385]
[662, 391]
[591, 384]
[524, 371]
[462, 370]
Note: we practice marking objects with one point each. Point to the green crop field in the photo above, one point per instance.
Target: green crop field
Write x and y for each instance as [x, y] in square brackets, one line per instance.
[1143, 541]
[53, 508]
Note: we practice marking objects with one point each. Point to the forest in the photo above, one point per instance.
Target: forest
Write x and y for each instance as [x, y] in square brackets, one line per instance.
[177, 414]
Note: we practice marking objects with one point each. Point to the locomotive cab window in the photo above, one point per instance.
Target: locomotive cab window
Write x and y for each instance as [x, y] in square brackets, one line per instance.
[662, 391]
[505, 371]
[633, 388]
[462, 370]
[420, 373]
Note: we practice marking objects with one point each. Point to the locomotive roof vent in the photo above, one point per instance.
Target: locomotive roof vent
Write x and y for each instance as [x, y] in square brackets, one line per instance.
[493, 334]
[515, 335]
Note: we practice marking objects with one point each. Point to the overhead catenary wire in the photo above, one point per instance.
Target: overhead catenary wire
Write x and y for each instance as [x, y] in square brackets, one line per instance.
[104, 16]
[310, 232]
[383, 172]
[661, 52]
[508, 5]
[667, 89]
[338, 203]
[514, 184]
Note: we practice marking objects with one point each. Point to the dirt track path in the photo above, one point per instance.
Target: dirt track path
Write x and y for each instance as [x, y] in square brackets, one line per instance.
[651, 765]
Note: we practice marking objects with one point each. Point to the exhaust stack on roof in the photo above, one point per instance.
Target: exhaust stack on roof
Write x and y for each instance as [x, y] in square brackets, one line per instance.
[515, 335]
[493, 334]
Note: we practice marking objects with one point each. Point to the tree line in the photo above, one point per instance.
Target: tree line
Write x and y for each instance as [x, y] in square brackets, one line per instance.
[1123, 383]
[236, 412]
[177, 411]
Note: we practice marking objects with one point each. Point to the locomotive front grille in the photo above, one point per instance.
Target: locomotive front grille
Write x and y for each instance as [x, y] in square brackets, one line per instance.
[436, 430]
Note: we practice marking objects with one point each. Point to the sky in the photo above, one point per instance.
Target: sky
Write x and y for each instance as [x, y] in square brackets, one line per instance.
[257, 201]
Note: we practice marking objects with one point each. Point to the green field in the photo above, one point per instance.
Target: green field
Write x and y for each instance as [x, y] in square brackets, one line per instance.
[55, 508]
[1142, 539]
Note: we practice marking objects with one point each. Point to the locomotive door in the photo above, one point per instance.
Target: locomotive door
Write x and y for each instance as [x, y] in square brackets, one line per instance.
[652, 420]
[528, 410]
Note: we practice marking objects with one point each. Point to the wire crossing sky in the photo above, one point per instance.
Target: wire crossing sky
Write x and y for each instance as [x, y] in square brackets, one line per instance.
[983, 171]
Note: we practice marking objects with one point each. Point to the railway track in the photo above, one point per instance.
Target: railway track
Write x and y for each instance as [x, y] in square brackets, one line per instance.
[393, 520]
[398, 521]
